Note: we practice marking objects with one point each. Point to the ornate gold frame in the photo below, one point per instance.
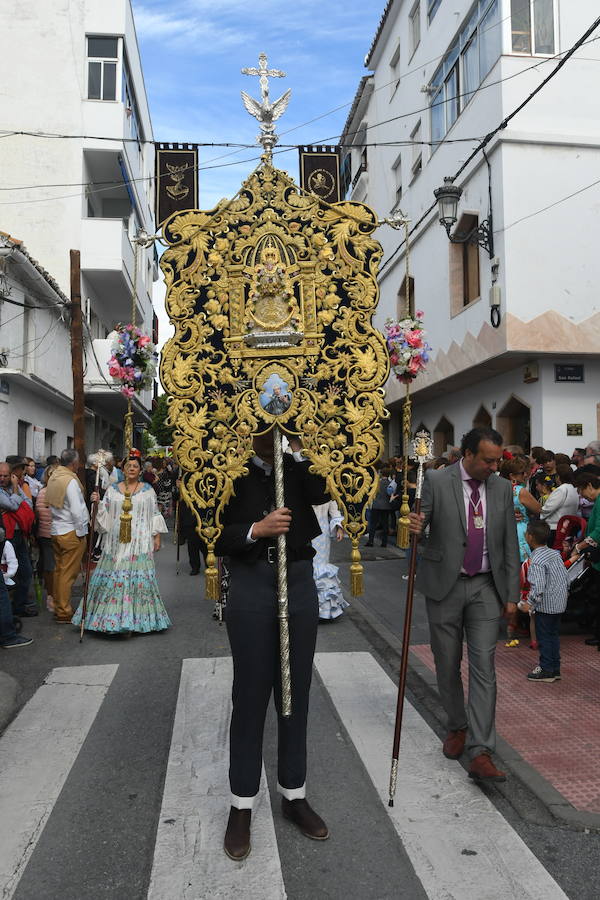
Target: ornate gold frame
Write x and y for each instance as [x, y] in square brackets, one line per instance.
[335, 363]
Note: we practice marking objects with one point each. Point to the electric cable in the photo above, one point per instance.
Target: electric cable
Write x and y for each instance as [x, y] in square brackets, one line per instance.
[481, 146]
[281, 148]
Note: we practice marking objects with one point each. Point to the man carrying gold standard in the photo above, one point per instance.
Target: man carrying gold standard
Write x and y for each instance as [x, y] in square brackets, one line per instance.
[249, 538]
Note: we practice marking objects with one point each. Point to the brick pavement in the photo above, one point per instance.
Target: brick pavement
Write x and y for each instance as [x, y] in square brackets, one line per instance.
[554, 727]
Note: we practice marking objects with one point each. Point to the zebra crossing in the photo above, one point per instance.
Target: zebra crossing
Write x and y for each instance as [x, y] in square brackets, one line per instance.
[457, 842]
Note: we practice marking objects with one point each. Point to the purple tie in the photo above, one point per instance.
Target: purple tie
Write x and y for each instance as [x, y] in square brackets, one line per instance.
[474, 552]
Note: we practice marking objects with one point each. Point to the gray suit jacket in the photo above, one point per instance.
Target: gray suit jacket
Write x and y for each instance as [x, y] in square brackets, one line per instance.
[443, 553]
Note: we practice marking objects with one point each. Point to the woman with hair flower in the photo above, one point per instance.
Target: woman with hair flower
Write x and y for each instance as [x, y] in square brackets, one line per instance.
[124, 595]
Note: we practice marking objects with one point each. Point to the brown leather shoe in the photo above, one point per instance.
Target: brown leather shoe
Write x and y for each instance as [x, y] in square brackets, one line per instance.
[454, 744]
[237, 835]
[301, 814]
[483, 769]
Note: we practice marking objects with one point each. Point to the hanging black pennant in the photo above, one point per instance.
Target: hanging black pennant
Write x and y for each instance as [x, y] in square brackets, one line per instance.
[320, 172]
[176, 179]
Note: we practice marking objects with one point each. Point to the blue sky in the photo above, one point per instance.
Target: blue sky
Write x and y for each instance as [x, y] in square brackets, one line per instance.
[192, 53]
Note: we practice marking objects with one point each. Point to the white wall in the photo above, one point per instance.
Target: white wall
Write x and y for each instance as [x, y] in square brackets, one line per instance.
[30, 407]
[552, 405]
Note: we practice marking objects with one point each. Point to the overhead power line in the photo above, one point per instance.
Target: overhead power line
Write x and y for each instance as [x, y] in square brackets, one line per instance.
[281, 148]
[501, 126]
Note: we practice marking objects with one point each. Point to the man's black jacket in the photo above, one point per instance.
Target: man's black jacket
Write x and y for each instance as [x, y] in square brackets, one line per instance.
[255, 498]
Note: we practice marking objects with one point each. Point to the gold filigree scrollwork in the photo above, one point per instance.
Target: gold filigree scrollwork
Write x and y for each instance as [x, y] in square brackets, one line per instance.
[272, 297]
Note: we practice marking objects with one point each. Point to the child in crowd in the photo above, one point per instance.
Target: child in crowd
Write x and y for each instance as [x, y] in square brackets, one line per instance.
[547, 599]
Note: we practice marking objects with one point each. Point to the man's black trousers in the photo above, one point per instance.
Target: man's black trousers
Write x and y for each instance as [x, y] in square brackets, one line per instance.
[253, 629]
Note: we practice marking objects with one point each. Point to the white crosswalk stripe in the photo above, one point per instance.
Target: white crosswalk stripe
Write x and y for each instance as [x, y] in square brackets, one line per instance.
[189, 862]
[37, 752]
[459, 844]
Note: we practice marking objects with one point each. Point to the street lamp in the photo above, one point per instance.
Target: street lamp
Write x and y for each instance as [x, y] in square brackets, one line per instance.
[447, 197]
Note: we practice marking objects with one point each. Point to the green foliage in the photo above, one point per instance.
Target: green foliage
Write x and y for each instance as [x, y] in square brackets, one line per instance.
[148, 442]
[162, 432]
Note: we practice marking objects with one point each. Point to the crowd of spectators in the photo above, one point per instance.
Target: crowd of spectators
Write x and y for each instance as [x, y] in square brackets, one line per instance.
[44, 522]
[553, 488]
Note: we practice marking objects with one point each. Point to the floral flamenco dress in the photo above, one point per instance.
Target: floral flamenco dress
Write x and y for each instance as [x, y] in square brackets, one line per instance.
[123, 594]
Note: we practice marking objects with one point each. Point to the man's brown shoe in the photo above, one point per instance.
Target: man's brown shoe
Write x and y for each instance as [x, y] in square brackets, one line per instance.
[483, 769]
[237, 835]
[301, 814]
[454, 744]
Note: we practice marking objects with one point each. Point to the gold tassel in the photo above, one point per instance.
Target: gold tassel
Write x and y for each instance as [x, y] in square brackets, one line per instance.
[211, 578]
[356, 570]
[125, 521]
[403, 534]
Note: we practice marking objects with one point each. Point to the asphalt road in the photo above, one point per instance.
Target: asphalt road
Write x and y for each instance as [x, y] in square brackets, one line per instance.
[99, 839]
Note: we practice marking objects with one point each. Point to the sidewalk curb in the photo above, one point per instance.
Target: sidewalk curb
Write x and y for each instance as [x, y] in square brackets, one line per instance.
[552, 800]
[9, 699]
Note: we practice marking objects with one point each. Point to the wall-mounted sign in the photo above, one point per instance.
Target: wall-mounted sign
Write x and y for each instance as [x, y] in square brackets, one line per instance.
[568, 372]
[574, 430]
[4, 386]
[531, 373]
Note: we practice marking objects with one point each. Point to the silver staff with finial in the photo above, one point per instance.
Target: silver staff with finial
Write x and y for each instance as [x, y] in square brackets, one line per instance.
[266, 112]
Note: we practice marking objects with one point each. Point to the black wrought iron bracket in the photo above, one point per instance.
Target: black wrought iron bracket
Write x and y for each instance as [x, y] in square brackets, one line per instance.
[482, 234]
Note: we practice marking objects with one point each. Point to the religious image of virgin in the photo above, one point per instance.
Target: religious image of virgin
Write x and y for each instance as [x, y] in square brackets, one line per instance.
[275, 397]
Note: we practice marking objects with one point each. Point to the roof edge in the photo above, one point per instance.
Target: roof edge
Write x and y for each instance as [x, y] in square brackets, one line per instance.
[17, 246]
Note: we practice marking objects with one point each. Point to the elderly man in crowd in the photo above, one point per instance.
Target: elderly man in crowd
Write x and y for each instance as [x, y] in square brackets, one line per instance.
[592, 454]
[17, 523]
[70, 518]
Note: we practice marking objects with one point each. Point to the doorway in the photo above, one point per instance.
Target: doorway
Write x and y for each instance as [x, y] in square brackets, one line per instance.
[514, 423]
[443, 436]
[482, 418]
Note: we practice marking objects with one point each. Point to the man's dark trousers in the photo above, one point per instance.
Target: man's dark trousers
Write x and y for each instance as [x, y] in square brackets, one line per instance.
[253, 630]
[24, 573]
[7, 628]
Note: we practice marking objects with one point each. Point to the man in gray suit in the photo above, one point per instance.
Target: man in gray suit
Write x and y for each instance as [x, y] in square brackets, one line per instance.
[469, 573]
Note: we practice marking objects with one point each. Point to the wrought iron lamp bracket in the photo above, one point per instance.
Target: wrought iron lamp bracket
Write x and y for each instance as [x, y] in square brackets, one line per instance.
[482, 235]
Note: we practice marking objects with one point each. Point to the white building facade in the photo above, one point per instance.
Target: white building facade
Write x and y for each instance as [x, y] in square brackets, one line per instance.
[444, 75]
[83, 181]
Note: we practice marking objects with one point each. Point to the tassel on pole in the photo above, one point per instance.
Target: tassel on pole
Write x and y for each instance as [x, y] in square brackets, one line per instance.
[356, 570]
[211, 577]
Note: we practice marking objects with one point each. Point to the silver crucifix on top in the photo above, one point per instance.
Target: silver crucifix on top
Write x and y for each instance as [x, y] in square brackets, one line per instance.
[266, 112]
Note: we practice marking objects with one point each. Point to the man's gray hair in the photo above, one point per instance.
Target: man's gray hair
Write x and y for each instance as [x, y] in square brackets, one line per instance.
[593, 449]
[67, 457]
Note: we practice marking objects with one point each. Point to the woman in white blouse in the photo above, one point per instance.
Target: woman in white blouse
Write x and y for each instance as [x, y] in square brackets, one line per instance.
[564, 499]
[124, 596]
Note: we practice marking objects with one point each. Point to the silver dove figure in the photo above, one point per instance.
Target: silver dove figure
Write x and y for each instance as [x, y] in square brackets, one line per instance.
[266, 112]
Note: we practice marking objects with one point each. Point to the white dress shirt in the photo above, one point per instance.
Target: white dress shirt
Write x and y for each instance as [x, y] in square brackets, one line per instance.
[485, 560]
[74, 514]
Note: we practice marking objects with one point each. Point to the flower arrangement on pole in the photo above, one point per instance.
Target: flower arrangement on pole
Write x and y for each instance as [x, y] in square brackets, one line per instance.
[409, 355]
[408, 349]
[133, 360]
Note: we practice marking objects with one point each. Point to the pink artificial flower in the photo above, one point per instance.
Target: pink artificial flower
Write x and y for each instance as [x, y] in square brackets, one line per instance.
[127, 392]
[414, 365]
[144, 340]
[419, 314]
[394, 359]
[114, 370]
[413, 338]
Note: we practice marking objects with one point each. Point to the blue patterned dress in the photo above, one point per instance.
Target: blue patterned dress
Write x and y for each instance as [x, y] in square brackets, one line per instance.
[524, 551]
[329, 589]
[123, 594]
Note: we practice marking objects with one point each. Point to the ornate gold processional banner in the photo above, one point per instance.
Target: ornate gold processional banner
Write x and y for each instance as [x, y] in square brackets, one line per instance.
[320, 172]
[176, 179]
[272, 296]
